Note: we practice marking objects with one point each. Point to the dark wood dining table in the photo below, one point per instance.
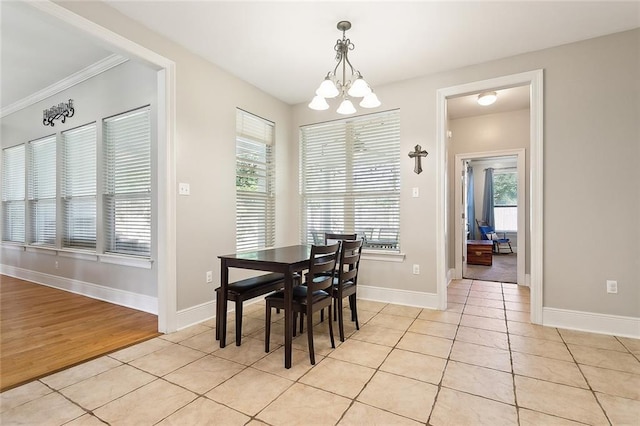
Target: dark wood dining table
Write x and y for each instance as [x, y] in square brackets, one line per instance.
[285, 260]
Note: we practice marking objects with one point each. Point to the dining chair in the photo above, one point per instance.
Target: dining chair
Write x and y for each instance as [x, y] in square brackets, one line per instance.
[345, 282]
[312, 296]
[330, 237]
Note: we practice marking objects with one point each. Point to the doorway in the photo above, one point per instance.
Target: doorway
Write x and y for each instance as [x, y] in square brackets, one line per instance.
[535, 229]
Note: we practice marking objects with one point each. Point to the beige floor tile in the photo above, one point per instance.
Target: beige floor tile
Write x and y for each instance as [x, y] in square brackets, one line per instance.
[365, 415]
[391, 321]
[483, 356]
[621, 411]
[457, 291]
[364, 316]
[428, 345]
[321, 341]
[274, 363]
[86, 420]
[540, 347]
[203, 411]
[247, 353]
[414, 365]
[632, 345]
[21, 395]
[98, 390]
[478, 336]
[433, 328]
[411, 398]
[490, 295]
[533, 330]
[458, 408]
[484, 323]
[473, 379]
[51, 409]
[601, 341]
[518, 316]
[361, 353]
[489, 303]
[370, 305]
[340, 377]
[517, 297]
[605, 358]
[251, 325]
[146, 405]
[457, 299]
[401, 311]
[559, 400]
[181, 335]
[483, 311]
[80, 372]
[448, 317]
[204, 374]
[276, 335]
[167, 360]
[204, 342]
[486, 286]
[454, 307]
[520, 307]
[249, 391]
[313, 405]
[140, 350]
[613, 382]
[379, 335]
[551, 370]
[536, 418]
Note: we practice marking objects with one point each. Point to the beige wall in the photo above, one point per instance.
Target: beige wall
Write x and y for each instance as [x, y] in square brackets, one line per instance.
[591, 152]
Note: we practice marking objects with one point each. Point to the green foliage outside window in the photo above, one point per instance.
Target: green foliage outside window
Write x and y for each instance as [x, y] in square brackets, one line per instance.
[505, 189]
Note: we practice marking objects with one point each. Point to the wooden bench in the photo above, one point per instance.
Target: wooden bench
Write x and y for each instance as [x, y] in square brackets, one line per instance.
[246, 289]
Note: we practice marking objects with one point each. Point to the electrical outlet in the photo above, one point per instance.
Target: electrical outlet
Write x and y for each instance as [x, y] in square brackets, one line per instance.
[209, 276]
[416, 269]
[612, 286]
[184, 189]
[415, 193]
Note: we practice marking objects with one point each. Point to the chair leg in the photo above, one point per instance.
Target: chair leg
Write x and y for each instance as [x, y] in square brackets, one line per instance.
[267, 328]
[321, 315]
[354, 310]
[312, 356]
[333, 342]
[218, 314]
[238, 322]
[340, 319]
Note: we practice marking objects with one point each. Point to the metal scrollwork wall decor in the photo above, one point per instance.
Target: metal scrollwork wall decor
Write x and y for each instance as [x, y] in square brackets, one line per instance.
[60, 111]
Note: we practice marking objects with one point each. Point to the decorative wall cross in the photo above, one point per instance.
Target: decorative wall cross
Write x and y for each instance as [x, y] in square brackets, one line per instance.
[417, 154]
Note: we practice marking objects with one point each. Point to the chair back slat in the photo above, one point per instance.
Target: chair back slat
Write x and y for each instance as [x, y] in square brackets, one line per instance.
[330, 238]
[349, 261]
[322, 264]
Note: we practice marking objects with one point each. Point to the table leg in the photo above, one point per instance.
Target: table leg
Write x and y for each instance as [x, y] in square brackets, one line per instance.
[288, 318]
[221, 316]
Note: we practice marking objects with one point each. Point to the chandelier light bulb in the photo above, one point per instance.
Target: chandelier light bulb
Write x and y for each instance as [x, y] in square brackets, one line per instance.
[359, 88]
[327, 89]
[487, 98]
[346, 108]
[318, 103]
[370, 100]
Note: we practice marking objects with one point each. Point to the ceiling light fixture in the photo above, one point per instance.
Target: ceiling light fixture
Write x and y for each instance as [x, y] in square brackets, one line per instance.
[487, 98]
[355, 87]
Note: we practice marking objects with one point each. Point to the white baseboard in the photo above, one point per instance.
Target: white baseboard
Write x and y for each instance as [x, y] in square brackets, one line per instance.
[400, 297]
[592, 322]
[119, 297]
[196, 314]
[451, 275]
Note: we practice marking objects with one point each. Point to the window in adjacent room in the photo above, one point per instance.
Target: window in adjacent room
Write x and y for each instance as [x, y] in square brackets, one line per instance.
[13, 194]
[505, 200]
[255, 182]
[127, 183]
[350, 179]
[42, 191]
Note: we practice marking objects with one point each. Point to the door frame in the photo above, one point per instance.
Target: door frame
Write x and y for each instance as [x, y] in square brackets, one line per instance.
[459, 234]
[535, 81]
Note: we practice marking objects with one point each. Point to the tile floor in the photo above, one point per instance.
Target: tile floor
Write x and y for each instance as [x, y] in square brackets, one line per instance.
[478, 363]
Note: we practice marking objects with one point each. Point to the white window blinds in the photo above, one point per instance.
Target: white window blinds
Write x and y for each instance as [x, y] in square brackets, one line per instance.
[255, 182]
[350, 179]
[79, 187]
[42, 191]
[13, 194]
[127, 194]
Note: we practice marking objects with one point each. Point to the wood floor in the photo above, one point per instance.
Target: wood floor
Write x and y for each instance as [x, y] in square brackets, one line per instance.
[44, 330]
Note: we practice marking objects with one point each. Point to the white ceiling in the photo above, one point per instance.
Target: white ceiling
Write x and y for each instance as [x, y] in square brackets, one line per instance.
[285, 48]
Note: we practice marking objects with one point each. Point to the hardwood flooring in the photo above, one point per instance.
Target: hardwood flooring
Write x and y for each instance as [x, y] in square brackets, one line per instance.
[44, 330]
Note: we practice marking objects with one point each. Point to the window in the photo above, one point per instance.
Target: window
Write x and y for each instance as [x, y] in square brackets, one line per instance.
[127, 192]
[350, 179]
[42, 191]
[255, 182]
[13, 191]
[79, 187]
[505, 200]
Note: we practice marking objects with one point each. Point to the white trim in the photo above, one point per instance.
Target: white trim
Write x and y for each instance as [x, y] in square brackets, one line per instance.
[135, 262]
[166, 279]
[76, 78]
[459, 238]
[136, 301]
[196, 314]
[451, 275]
[398, 297]
[535, 80]
[383, 256]
[615, 325]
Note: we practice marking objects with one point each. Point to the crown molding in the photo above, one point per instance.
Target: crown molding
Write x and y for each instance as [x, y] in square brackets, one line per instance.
[76, 78]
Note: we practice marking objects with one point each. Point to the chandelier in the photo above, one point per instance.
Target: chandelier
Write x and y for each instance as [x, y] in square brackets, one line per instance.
[355, 87]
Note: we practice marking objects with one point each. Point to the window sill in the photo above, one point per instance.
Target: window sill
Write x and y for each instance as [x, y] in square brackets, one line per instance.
[383, 256]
